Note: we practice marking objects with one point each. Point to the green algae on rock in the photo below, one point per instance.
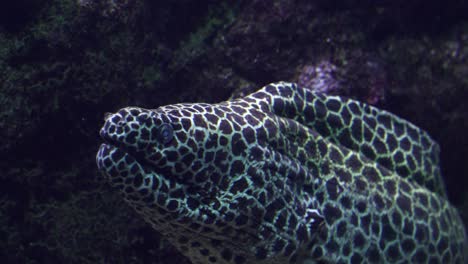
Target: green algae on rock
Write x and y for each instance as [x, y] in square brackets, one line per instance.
[284, 175]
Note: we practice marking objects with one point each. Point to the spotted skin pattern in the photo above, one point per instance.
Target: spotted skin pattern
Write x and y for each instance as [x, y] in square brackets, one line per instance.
[284, 175]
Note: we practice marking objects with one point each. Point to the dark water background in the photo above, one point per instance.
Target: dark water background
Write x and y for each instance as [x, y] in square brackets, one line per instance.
[64, 63]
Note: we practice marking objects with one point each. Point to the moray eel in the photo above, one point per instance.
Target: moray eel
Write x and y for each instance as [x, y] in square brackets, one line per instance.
[284, 175]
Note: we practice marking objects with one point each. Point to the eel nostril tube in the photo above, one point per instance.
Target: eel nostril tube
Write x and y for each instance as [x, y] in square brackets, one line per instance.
[107, 115]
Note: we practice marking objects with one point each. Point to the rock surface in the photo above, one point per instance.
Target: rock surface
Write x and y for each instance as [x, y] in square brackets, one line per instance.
[64, 64]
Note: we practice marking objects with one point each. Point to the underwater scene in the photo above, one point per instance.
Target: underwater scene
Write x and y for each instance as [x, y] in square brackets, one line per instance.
[233, 132]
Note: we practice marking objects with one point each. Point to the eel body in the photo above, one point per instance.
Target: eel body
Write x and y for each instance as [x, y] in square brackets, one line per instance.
[284, 175]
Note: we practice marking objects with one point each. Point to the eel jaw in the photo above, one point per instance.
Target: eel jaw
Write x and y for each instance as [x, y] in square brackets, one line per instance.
[141, 186]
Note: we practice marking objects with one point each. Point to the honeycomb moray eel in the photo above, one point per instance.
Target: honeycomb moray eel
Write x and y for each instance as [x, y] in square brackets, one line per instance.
[284, 175]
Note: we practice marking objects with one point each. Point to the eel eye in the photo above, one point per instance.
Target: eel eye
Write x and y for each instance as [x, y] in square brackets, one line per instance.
[165, 133]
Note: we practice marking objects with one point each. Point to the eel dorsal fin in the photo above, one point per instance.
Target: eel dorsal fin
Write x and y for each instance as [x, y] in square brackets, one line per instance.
[391, 141]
